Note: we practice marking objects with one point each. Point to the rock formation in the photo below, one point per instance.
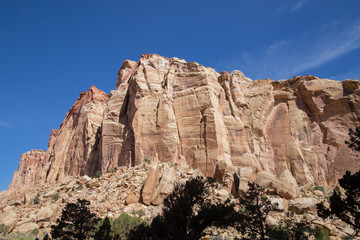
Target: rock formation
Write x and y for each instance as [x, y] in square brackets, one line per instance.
[280, 133]
[72, 149]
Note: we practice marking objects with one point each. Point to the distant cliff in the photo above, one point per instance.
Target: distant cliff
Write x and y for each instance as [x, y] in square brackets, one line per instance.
[226, 125]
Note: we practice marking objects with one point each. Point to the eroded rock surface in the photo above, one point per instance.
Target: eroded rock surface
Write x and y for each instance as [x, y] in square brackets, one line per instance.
[228, 126]
[72, 149]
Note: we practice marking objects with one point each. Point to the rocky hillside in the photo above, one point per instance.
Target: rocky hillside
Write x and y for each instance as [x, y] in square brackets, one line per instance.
[188, 120]
[226, 125]
[139, 191]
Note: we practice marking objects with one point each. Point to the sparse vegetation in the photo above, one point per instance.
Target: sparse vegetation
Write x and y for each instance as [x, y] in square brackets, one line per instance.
[320, 188]
[118, 228]
[345, 205]
[35, 231]
[97, 174]
[55, 197]
[36, 199]
[321, 234]
[147, 161]
[4, 228]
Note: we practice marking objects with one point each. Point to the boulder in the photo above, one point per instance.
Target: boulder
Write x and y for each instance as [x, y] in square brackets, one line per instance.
[47, 213]
[166, 185]
[151, 182]
[26, 227]
[131, 198]
[301, 205]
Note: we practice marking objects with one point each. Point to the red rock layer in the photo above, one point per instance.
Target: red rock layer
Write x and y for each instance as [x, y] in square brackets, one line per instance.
[230, 127]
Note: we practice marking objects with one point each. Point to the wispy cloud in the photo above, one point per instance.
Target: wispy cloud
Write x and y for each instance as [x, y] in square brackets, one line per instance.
[5, 124]
[299, 4]
[286, 58]
[292, 5]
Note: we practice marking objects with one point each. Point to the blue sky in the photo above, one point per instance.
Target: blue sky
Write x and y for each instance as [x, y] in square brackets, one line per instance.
[51, 50]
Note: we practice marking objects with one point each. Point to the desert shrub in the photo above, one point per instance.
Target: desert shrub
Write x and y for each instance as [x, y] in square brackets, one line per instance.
[80, 187]
[123, 224]
[321, 234]
[97, 174]
[35, 231]
[147, 161]
[55, 197]
[320, 188]
[36, 199]
[4, 228]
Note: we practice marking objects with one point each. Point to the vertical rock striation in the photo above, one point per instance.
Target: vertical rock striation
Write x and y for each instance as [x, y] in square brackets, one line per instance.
[72, 149]
[283, 133]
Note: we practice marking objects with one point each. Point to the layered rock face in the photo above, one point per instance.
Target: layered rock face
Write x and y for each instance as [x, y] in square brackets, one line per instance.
[72, 149]
[226, 123]
[279, 133]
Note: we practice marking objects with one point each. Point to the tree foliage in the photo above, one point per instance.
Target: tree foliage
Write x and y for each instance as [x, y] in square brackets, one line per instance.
[186, 213]
[255, 207]
[354, 141]
[76, 222]
[104, 230]
[346, 206]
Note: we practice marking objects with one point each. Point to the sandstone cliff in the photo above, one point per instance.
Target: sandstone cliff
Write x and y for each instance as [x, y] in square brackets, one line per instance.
[72, 149]
[280, 133]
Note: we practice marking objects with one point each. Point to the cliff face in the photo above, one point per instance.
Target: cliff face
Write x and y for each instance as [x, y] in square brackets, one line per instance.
[72, 149]
[226, 125]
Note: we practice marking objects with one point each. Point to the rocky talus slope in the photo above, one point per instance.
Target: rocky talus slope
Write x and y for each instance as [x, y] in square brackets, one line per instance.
[139, 191]
[286, 134]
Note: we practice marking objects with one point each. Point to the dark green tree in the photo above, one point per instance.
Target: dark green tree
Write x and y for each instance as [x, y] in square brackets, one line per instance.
[345, 206]
[255, 207]
[354, 141]
[104, 230]
[76, 222]
[186, 213]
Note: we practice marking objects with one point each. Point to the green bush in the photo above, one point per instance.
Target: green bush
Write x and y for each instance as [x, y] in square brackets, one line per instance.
[118, 228]
[97, 174]
[123, 224]
[35, 231]
[147, 161]
[80, 187]
[321, 234]
[320, 188]
[4, 228]
[55, 197]
[37, 199]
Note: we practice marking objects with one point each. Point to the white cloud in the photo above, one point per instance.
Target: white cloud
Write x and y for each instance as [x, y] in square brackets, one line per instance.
[286, 58]
[299, 4]
[5, 124]
[292, 5]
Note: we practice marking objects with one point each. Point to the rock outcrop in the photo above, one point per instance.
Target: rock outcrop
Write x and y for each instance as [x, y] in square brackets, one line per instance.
[290, 132]
[72, 149]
